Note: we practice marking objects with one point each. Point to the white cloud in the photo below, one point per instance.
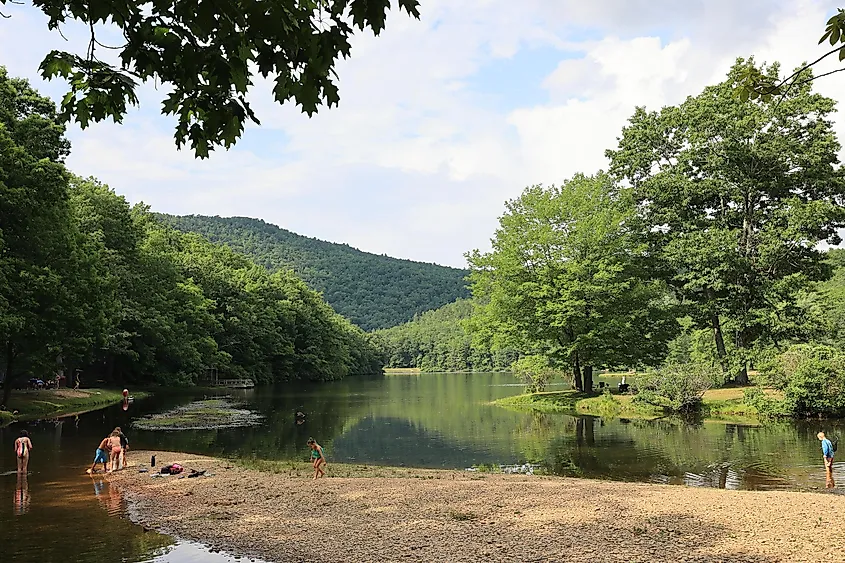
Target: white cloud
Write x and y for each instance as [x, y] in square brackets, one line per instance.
[415, 162]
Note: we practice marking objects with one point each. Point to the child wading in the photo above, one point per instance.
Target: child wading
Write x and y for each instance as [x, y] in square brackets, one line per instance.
[114, 454]
[23, 445]
[317, 458]
[102, 455]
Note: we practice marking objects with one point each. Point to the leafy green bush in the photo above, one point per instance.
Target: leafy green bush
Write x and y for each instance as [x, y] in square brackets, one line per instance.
[812, 378]
[767, 407]
[676, 387]
[535, 371]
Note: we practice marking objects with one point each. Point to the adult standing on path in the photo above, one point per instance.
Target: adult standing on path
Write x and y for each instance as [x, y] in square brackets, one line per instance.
[23, 445]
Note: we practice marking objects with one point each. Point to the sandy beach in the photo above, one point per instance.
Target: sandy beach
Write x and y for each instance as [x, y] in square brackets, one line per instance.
[393, 514]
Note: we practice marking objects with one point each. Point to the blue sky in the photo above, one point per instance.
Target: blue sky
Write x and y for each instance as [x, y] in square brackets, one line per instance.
[441, 120]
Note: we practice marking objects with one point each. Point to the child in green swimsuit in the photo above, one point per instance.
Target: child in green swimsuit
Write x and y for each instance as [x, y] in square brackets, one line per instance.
[317, 458]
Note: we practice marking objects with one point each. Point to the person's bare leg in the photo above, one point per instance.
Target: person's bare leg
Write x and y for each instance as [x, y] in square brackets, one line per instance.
[25, 461]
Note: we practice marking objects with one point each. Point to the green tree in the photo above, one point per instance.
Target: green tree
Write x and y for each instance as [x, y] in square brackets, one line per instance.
[736, 195]
[567, 277]
[207, 53]
[38, 241]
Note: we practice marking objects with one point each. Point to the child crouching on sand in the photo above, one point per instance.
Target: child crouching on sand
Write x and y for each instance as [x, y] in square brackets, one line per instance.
[317, 458]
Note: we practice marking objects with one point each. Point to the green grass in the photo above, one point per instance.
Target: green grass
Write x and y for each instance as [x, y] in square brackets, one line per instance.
[617, 406]
[50, 403]
[554, 401]
[725, 405]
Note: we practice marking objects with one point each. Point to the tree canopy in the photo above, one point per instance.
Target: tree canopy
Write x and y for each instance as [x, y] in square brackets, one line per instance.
[89, 282]
[568, 277]
[207, 53]
[736, 195]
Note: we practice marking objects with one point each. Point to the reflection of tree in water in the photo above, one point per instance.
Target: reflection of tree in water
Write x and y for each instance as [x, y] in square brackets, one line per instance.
[394, 441]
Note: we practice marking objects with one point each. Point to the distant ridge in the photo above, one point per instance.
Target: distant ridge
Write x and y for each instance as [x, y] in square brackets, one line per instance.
[373, 291]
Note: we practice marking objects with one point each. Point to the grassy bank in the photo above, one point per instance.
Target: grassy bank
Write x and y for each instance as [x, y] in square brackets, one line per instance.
[717, 404]
[50, 403]
[402, 371]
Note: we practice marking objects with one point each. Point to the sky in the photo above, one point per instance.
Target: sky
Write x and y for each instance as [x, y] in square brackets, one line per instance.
[441, 119]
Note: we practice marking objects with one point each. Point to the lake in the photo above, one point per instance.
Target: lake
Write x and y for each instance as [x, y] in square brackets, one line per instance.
[430, 420]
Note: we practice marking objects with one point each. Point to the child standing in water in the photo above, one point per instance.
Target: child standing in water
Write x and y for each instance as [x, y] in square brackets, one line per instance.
[317, 458]
[114, 454]
[22, 447]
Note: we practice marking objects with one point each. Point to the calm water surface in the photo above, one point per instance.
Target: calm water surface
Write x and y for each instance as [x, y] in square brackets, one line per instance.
[435, 420]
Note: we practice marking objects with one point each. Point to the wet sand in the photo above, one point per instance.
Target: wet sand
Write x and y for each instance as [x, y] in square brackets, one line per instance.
[394, 514]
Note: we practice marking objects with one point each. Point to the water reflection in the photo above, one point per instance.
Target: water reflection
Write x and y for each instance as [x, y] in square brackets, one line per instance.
[21, 494]
[440, 420]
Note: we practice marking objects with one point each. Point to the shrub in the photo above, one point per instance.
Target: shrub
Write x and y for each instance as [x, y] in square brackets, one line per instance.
[676, 387]
[767, 407]
[535, 372]
[812, 378]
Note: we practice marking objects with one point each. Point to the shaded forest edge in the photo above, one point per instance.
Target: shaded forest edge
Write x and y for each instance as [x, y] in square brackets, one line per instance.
[370, 290]
[91, 284]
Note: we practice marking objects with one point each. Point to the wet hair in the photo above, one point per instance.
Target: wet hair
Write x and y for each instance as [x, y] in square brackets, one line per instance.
[311, 441]
[117, 429]
[24, 434]
[115, 433]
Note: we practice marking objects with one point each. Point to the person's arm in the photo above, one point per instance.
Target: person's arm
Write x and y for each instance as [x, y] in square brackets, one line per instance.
[320, 449]
[30, 443]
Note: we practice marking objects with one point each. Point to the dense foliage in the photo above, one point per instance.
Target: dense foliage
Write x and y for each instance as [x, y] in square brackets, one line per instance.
[206, 54]
[676, 387]
[569, 277]
[812, 378]
[439, 341]
[88, 282]
[735, 196]
[372, 291]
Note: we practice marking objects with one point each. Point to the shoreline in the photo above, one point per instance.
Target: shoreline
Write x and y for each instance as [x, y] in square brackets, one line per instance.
[723, 405]
[58, 403]
[359, 513]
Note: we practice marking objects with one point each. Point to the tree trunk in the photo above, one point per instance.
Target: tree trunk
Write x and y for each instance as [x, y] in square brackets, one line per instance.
[7, 382]
[576, 374]
[720, 340]
[741, 377]
[589, 431]
[588, 379]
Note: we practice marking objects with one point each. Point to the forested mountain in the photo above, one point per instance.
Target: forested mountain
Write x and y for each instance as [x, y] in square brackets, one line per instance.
[439, 340]
[89, 282]
[372, 291]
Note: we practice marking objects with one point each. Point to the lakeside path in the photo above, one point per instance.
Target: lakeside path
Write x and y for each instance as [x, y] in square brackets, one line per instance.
[402, 514]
